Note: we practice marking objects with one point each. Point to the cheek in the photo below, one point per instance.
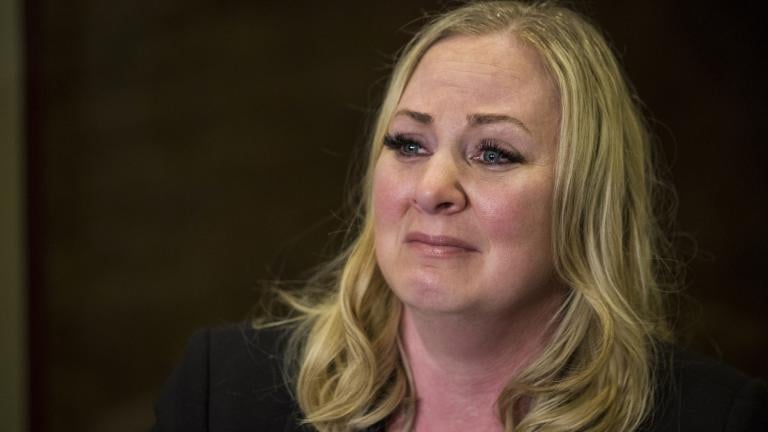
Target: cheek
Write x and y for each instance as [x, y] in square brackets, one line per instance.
[389, 202]
[389, 195]
[518, 215]
[518, 228]
[388, 208]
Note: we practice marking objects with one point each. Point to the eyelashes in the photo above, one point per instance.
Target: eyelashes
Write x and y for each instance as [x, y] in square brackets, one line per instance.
[492, 153]
[404, 145]
[487, 151]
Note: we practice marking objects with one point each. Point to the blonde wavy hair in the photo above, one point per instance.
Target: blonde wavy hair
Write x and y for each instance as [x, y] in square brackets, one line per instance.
[597, 371]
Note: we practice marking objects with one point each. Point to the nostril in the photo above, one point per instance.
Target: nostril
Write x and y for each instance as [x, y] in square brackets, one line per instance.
[445, 199]
[439, 190]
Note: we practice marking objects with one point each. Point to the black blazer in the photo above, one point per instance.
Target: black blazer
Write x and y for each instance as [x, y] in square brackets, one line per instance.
[230, 380]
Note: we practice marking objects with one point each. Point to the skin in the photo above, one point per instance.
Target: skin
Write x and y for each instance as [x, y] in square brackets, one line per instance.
[462, 232]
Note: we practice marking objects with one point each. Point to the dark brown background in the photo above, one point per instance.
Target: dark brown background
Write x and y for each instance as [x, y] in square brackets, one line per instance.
[182, 152]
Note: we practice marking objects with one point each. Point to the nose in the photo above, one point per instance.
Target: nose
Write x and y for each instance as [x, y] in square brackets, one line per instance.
[439, 190]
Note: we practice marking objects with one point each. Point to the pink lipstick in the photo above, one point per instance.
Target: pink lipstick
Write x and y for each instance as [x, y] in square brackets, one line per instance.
[438, 245]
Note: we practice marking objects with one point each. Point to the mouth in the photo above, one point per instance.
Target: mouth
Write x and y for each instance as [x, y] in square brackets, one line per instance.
[438, 245]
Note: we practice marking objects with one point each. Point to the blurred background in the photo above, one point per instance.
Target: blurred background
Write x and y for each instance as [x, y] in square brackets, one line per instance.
[160, 160]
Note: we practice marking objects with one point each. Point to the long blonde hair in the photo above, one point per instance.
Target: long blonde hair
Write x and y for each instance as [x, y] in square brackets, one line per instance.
[596, 373]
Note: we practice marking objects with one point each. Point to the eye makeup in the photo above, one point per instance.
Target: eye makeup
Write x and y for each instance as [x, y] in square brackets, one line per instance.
[491, 152]
[487, 151]
[403, 144]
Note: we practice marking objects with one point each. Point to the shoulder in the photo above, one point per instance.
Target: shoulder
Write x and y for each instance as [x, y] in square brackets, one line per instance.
[696, 393]
[230, 378]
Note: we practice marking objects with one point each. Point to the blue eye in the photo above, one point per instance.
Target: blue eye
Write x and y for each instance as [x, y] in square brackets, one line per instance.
[491, 153]
[491, 156]
[410, 147]
[403, 145]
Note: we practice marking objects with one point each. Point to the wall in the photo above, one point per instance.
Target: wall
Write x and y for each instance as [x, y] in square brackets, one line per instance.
[12, 294]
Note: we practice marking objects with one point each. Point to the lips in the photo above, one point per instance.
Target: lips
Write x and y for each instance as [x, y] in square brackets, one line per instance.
[438, 245]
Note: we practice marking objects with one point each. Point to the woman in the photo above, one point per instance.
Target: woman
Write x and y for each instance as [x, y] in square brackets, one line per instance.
[506, 271]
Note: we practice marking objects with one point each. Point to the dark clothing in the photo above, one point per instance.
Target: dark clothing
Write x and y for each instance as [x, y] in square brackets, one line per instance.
[231, 380]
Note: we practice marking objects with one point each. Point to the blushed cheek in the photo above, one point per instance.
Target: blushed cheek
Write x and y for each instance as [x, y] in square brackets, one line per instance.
[381, 195]
[388, 196]
[519, 217]
[387, 200]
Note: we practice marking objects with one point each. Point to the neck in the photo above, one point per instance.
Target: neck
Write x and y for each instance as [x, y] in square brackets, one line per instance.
[460, 363]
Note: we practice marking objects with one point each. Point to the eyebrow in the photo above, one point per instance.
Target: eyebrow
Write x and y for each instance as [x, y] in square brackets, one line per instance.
[477, 119]
[484, 119]
[420, 117]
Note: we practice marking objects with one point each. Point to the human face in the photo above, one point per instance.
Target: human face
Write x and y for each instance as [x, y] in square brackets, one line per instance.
[462, 191]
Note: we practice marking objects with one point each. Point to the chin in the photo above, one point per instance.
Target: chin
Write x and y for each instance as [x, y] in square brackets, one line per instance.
[428, 295]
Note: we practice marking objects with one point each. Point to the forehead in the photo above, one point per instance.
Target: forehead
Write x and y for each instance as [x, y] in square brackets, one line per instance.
[494, 70]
